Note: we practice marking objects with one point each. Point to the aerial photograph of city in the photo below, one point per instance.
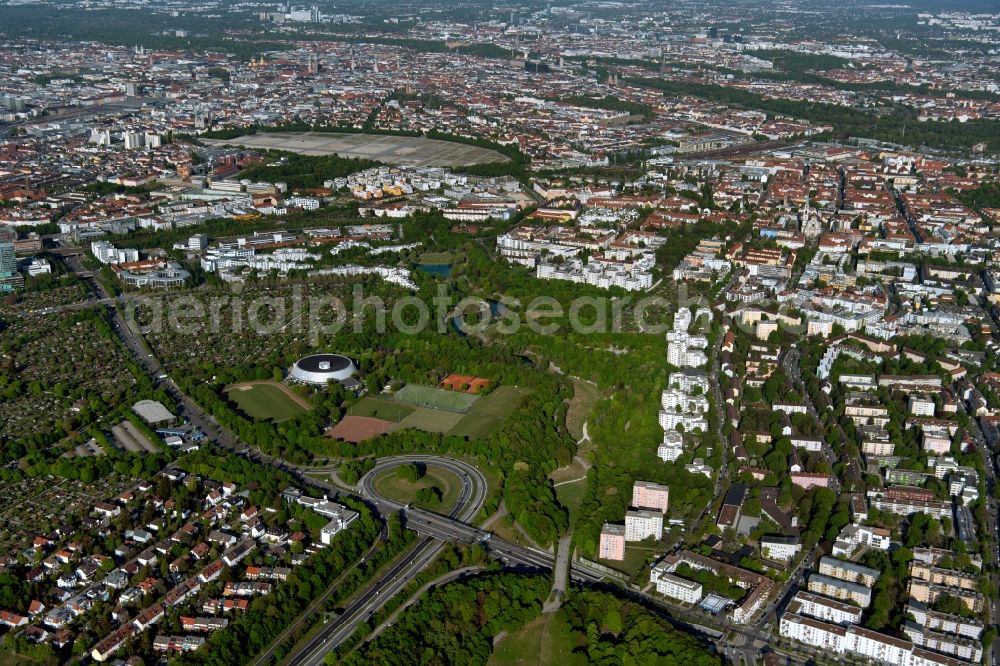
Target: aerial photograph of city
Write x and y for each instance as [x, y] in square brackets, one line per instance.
[500, 333]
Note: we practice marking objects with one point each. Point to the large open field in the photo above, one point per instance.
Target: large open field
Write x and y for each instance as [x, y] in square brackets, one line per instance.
[488, 412]
[400, 150]
[267, 400]
[545, 641]
[500, 403]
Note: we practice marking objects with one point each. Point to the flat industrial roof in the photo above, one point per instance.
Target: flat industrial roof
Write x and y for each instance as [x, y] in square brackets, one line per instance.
[152, 411]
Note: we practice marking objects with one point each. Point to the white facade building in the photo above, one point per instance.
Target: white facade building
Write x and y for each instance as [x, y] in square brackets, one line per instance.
[781, 548]
[688, 379]
[689, 422]
[106, 253]
[599, 274]
[675, 587]
[856, 641]
[641, 525]
[685, 402]
[683, 348]
[672, 447]
[922, 405]
[677, 400]
[824, 608]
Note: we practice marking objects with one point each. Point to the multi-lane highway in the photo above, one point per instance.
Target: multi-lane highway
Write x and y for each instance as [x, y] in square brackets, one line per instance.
[317, 605]
[435, 529]
[367, 603]
[455, 527]
[411, 563]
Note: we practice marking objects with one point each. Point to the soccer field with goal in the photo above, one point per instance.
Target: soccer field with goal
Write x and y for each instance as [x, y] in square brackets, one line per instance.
[435, 398]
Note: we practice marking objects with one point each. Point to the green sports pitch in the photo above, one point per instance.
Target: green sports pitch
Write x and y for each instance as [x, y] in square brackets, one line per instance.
[266, 401]
[435, 398]
[379, 408]
[446, 412]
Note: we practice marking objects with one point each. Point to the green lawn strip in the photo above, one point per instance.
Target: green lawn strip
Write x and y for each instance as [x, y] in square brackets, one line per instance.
[378, 408]
[474, 427]
[437, 258]
[431, 420]
[391, 485]
[545, 641]
[571, 496]
[585, 396]
[636, 555]
[500, 403]
[429, 397]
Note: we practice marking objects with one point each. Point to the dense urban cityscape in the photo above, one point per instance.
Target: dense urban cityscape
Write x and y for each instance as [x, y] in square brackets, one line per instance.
[540, 333]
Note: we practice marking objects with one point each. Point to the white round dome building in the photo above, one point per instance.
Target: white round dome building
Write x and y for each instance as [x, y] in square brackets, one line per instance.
[318, 369]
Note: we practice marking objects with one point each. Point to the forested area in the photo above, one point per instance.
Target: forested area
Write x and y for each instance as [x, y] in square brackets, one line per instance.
[621, 632]
[450, 559]
[456, 624]
[795, 63]
[136, 27]
[610, 103]
[304, 172]
[896, 125]
[986, 195]
[623, 426]
[264, 482]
